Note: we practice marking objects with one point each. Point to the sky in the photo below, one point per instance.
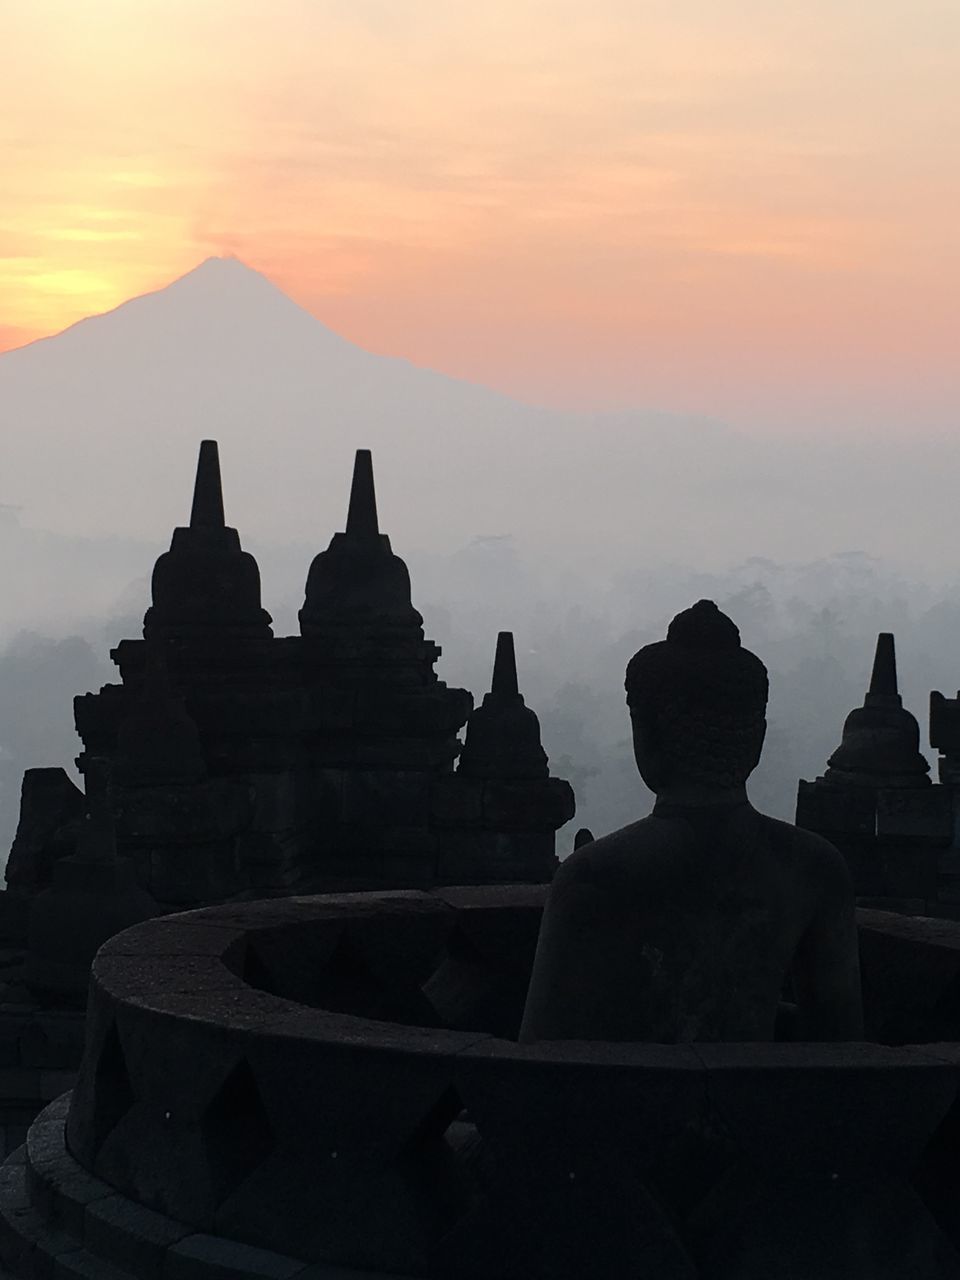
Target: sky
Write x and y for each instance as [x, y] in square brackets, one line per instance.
[731, 207]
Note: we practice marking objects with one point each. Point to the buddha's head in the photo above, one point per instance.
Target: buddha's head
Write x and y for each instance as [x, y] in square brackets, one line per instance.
[698, 705]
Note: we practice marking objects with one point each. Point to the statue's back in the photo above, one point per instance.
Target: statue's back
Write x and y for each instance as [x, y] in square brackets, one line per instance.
[704, 914]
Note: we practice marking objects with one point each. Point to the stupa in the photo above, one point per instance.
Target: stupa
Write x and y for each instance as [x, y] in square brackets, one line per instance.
[876, 801]
[229, 764]
[338, 1086]
[326, 759]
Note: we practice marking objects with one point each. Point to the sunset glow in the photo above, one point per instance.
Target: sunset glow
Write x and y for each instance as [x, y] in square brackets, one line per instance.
[710, 204]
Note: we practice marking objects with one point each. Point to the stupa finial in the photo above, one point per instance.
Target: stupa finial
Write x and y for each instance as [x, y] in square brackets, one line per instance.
[358, 583]
[884, 677]
[207, 510]
[880, 745]
[503, 734]
[362, 513]
[504, 683]
[206, 581]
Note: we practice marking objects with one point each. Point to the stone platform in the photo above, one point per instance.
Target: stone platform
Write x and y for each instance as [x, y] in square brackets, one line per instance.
[329, 1087]
[58, 1220]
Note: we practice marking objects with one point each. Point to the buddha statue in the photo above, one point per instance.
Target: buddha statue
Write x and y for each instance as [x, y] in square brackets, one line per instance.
[687, 925]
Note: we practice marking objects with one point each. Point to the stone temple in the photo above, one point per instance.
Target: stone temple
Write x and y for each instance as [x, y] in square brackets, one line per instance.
[878, 804]
[230, 764]
[308, 1043]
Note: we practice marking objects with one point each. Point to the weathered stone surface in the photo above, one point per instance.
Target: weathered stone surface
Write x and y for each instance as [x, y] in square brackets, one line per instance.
[242, 1111]
[50, 811]
[539, 805]
[836, 811]
[865, 1227]
[835, 1108]
[206, 811]
[908, 869]
[87, 904]
[911, 977]
[920, 816]
[134, 1237]
[495, 857]
[203, 1257]
[456, 801]
[51, 1040]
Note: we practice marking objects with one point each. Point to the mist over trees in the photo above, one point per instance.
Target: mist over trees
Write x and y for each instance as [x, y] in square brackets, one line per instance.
[814, 624]
[618, 521]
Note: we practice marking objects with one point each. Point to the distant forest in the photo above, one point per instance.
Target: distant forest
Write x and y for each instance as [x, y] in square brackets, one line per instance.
[814, 625]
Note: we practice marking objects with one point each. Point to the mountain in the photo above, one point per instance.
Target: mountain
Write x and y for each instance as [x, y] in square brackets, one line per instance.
[100, 426]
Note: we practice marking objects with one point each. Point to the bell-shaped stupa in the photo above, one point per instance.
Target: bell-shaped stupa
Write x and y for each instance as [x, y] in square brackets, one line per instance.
[358, 584]
[875, 800]
[880, 746]
[503, 734]
[206, 583]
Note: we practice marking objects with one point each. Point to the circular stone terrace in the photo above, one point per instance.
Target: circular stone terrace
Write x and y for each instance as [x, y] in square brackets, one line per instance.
[324, 1086]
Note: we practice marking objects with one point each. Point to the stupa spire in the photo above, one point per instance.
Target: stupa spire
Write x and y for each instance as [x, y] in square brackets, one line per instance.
[206, 581]
[207, 510]
[880, 745]
[503, 734]
[884, 678]
[358, 584]
[504, 683]
[362, 512]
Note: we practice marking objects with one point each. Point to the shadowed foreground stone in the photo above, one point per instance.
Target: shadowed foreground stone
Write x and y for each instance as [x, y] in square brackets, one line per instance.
[222, 1126]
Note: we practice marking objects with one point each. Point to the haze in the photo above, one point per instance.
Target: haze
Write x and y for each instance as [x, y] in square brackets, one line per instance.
[633, 304]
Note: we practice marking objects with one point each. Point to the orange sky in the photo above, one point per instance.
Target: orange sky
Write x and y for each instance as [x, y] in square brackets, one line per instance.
[698, 204]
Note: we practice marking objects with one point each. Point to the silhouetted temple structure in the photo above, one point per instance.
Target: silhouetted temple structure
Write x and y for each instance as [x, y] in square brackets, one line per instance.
[241, 764]
[319, 1085]
[232, 764]
[876, 801]
[334, 1087]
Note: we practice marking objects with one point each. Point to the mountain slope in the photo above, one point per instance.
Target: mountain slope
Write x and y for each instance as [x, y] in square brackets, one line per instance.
[100, 423]
[100, 426]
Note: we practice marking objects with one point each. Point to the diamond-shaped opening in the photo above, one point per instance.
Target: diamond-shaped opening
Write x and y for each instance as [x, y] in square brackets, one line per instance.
[443, 1158]
[112, 1090]
[255, 972]
[236, 1129]
[468, 994]
[348, 986]
[937, 1176]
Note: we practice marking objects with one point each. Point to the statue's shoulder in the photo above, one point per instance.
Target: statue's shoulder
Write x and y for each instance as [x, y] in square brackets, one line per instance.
[814, 857]
[602, 862]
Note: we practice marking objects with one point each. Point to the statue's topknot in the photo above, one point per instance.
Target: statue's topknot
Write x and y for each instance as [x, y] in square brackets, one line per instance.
[703, 626]
[704, 696]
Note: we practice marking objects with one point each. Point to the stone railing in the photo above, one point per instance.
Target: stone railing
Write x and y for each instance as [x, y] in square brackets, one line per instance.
[335, 1079]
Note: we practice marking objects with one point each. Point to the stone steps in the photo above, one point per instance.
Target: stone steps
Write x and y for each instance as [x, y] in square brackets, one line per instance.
[58, 1222]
